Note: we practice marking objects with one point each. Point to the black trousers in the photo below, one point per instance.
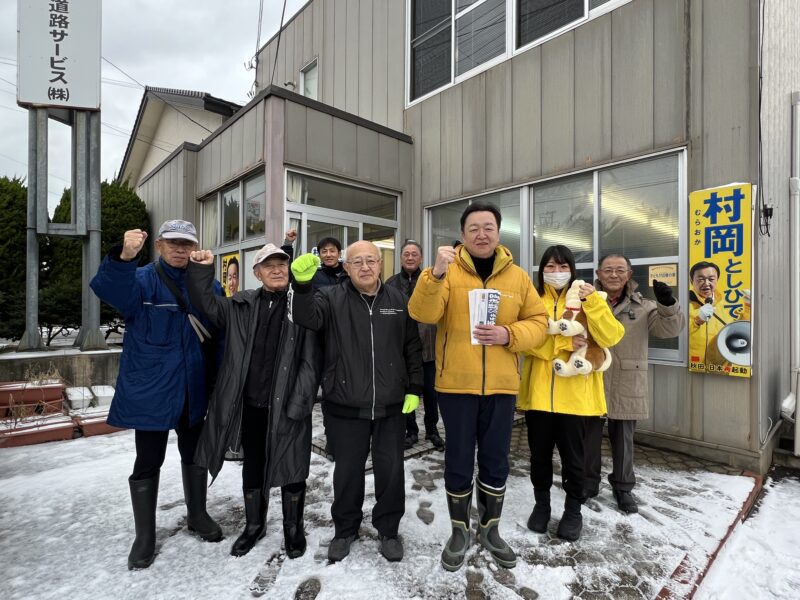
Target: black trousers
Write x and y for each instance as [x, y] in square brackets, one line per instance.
[353, 439]
[547, 431]
[429, 402]
[620, 437]
[255, 427]
[151, 446]
[470, 419]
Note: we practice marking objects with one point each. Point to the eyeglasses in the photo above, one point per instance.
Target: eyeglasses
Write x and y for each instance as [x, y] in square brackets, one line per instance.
[371, 262]
[609, 271]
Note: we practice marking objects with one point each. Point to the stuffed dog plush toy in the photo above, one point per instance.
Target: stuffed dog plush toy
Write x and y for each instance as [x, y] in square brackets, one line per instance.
[573, 322]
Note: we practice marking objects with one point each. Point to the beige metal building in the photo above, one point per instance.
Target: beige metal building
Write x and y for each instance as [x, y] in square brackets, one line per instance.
[587, 122]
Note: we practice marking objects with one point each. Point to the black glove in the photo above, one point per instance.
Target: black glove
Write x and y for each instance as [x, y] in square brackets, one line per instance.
[663, 293]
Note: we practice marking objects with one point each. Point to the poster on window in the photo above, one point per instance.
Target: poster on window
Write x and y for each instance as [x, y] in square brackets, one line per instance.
[230, 273]
[720, 267]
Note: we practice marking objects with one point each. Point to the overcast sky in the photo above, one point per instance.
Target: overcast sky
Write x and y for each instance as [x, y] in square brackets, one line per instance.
[200, 45]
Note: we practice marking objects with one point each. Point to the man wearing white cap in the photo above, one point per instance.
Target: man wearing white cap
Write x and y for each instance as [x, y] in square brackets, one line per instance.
[264, 394]
[162, 382]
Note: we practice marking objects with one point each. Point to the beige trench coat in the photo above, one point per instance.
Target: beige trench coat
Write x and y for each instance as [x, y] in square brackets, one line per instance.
[625, 381]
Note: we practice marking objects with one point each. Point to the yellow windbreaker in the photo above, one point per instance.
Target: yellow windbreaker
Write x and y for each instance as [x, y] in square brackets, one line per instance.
[464, 368]
[541, 388]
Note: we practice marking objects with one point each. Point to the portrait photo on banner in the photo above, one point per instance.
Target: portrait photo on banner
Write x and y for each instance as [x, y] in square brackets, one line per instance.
[230, 273]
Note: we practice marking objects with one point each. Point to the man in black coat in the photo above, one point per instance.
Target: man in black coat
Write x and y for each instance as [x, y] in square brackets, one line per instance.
[372, 375]
[264, 394]
[406, 281]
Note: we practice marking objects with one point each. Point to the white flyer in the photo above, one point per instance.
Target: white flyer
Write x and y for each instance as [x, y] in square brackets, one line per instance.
[483, 307]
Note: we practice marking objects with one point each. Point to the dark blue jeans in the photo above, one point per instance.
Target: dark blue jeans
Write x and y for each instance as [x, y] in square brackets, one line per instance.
[470, 419]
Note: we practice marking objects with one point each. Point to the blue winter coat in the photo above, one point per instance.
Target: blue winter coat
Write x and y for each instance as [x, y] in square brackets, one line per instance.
[162, 359]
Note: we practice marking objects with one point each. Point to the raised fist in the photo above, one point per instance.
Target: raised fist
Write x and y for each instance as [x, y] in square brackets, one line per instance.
[304, 267]
[663, 293]
[444, 256]
[202, 257]
[291, 235]
[132, 243]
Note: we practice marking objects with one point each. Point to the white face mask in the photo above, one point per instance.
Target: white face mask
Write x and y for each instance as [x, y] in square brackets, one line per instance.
[556, 280]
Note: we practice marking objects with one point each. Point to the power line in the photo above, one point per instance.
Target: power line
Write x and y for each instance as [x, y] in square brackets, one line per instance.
[157, 95]
[278, 44]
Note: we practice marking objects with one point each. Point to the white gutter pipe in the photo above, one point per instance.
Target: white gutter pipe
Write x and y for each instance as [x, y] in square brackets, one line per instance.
[794, 259]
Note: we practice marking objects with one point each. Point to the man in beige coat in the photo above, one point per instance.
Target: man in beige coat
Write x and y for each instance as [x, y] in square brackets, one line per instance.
[626, 380]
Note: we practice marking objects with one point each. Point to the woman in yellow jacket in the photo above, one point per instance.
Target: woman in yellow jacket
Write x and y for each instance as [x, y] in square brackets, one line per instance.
[555, 407]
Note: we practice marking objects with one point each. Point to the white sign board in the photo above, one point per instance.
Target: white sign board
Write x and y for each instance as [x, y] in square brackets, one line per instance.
[58, 53]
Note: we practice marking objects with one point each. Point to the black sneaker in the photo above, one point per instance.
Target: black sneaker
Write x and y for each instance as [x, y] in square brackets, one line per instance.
[411, 439]
[391, 548]
[626, 502]
[437, 441]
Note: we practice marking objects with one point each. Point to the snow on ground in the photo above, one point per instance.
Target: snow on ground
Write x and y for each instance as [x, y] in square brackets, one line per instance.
[762, 557]
[66, 529]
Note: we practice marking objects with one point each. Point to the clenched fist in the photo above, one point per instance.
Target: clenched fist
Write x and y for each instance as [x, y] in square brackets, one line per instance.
[132, 243]
[202, 257]
[444, 256]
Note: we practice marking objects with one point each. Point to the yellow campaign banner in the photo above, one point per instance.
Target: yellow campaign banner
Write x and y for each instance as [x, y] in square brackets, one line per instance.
[230, 273]
[720, 268]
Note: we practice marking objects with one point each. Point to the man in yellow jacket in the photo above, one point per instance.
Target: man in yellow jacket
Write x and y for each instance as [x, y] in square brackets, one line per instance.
[477, 382]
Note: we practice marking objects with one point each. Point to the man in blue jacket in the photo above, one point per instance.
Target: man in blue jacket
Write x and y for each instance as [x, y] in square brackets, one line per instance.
[162, 374]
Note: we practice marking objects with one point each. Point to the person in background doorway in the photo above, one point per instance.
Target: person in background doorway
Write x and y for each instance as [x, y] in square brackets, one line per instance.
[556, 407]
[372, 378]
[405, 281]
[266, 389]
[162, 382]
[477, 382]
[625, 382]
[330, 271]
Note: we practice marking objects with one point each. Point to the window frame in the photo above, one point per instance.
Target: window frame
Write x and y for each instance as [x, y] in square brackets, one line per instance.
[661, 356]
[313, 63]
[511, 39]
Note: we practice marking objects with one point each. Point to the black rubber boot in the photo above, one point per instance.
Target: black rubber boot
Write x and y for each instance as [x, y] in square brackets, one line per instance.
[255, 512]
[490, 507]
[540, 516]
[144, 497]
[571, 521]
[195, 484]
[458, 505]
[294, 537]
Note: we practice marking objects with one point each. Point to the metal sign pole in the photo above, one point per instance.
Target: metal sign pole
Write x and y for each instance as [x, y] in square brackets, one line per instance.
[37, 185]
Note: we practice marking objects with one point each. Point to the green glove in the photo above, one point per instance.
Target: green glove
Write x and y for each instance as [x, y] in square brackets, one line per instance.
[411, 403]
[304, 267]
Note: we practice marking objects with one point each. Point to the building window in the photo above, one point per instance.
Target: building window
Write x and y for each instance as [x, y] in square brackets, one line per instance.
[324, 193]
[308, 80]
[563, 213]
[431, 35]
[230, 215]
[539, 18]
[633, 209]
[451, 40]
[210, 208]
[480, 34]
[445, 221]
[255, 206]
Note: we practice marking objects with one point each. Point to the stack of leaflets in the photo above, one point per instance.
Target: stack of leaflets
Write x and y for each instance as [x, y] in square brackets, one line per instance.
[483, 307]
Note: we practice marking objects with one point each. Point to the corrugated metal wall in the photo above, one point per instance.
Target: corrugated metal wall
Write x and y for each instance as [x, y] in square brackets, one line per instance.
[329, 144]
[649, 75]
[781, 71]
[233, 151]
[359, 45]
